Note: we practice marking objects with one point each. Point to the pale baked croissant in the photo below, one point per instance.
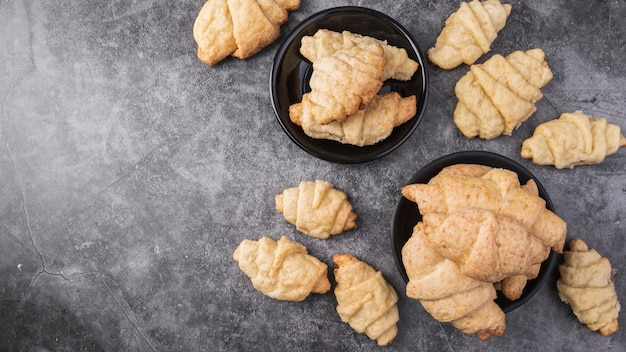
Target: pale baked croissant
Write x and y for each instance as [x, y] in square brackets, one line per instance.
[344, 81]
[367, 126]
[498, 190]
[282, 269]
[365, 300]
[468, 33]
[325, 42]
[586, 285]
[316, 208]
[238, 27]
[485, 245]
[446, 293]
[573, 139]
[495, 97]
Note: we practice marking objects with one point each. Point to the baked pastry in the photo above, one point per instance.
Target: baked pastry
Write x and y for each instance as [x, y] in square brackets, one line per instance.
[316, 208]
[497, 96]
[499, 191]
[365, 300]
[239, 28]
[367, 126]
[573, 139]
[586, 284]
[485, 245]
[344, 81]
[448, 294]
[282, 269]
[325, 42]
[469, 33]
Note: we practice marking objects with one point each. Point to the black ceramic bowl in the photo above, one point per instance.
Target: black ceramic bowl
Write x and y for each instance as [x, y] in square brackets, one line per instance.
[291, 73]
[406, 215]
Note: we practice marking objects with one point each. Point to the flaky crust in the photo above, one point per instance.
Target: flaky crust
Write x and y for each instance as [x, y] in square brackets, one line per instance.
[317, 209]
[240, 28]
[573, 139]
[282, 269]
[365, 300]
[468, 33]
[586, 284]
[497, 96]
[367, 126]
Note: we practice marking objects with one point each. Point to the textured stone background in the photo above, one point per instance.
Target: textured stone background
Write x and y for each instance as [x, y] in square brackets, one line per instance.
[130, 171]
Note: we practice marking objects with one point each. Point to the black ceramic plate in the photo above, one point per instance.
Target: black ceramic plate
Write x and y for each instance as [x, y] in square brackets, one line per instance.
[406, 215]
[291, 72]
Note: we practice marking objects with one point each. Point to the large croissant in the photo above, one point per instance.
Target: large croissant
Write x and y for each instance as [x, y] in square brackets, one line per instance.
[367, 126]
[238, 27]
[586, 285]
[573, 139]
[448, 294]
[325, 42]
[365, 300]
[469, 33]
[316, 208]
[487, 246]
[498, 190]
[344, 81]
[495, 97]
[282, 269]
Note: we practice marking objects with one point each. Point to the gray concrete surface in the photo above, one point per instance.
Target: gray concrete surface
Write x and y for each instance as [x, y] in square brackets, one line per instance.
[130, 171]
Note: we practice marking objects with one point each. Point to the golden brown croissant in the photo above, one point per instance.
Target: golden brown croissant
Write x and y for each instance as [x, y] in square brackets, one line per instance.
[325, 42]
[367, 126]
[282, 269]
[497, 96]
[238, 27]
[485, 245]
[316, 208]
[344, 81]
[469, 33]
[573, 139]
[498, 190]
[446, 293]
[586, 285]
[365, 300]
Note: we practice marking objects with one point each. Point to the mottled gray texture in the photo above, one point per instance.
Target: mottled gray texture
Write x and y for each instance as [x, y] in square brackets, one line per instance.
[130, 171]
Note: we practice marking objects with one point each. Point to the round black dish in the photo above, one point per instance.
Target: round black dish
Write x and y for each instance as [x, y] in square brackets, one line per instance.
[291, 72]
[406, 215]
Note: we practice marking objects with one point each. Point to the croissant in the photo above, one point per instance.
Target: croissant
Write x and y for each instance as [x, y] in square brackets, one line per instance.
[469, 33]
[573, 139]
[586, 285]
[499, 191]
[282, 269]
[239, 28]
[344, 81]
[316, 208]
[497, 96]
[448, 294]
[485, 245]
[367, 126]
[365, 300]
[325, 42]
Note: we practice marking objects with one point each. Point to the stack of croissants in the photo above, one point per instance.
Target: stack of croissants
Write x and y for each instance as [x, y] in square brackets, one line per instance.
[480, 231]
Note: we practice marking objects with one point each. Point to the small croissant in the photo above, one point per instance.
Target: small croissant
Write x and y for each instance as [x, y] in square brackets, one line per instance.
[282, 269]
[367, 126]
[573, 139]
[497, 96]
[365, 300]
[586, 285]
[325, 42]
[344, 81]
[317, 209]
[469, 33]
[239, 28]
